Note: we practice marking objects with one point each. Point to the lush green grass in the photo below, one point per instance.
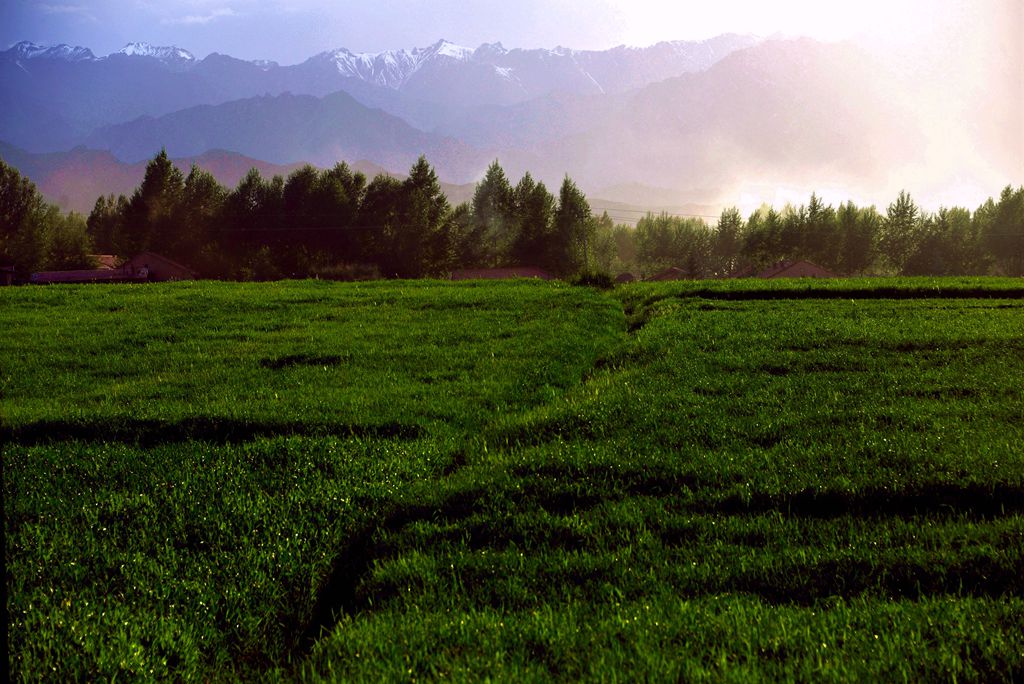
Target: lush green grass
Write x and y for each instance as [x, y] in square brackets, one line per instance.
[415, 480]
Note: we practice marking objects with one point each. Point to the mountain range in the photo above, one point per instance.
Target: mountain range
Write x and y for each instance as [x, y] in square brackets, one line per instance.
[57, 95]
[695, 118]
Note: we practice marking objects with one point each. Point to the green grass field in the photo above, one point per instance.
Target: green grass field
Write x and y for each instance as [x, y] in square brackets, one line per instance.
[522, 481]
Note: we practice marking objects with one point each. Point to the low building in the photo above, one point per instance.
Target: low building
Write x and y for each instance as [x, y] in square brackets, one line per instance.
[501, 273]
[142, 268]
[158, 268]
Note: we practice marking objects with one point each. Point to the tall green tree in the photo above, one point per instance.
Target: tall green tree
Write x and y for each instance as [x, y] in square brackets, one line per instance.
[199, 240]
[725, 251]
[69, 242]
[899, 232]
[379, 219]
[255, 204]
[533, 243]
[24, 232]
[573, 230]
[948, 244]
[339, 192]
[425, 237]
[300, 210]
[762, 238]
[604, 251]
[792, 236]
[1002, 226]
[665, 241]
[625, 248]
[153, 219]
[412, 234]
[493, 217]
[822, 242]
[106, 222]
[858, 229]
[466, 249]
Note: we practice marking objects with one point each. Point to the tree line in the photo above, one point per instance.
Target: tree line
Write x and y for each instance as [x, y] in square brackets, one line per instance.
[848, 240]
[334, 223]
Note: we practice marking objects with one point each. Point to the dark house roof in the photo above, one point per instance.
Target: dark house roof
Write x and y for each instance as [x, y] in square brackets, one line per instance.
[144, 267]
[160, 267]
[500, 273]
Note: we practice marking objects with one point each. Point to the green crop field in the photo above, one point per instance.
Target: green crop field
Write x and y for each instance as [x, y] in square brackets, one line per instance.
[518, 481]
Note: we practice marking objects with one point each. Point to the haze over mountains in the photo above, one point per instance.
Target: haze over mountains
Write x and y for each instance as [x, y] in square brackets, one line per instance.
[697, 119]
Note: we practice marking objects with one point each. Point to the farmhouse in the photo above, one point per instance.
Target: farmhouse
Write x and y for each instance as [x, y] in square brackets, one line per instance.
[142, 268]
[501, 273]
[158, 268]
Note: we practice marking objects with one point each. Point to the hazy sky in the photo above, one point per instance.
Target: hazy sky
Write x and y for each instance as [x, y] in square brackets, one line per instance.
[289, 31]
[966, 56]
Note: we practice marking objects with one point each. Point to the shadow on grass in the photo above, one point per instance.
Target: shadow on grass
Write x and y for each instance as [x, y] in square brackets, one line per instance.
[339, 595]
[807, 584]
[148, 433]
[982, 501]
[638, 314]
[301, 360]
[463, 519]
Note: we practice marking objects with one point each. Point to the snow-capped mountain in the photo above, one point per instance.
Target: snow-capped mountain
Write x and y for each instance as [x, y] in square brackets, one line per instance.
[522, 74]
[26, 51]
[167, 54]
[53, 97]
[393, 68]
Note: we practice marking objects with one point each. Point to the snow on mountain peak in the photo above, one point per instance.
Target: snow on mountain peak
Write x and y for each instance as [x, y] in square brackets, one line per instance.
[164, 54]
[393, 68]
[29, 50]
[447, 49]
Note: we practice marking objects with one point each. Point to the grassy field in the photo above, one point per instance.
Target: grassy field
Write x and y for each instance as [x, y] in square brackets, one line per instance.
[721, 481]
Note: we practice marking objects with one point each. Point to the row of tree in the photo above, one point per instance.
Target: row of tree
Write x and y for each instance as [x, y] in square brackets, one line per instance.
[334, 223]
[848, 240]
[35, 234]
[325, 221]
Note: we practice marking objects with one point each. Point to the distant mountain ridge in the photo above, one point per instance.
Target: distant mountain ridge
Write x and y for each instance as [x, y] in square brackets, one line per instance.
[530, 73]
[609, 70]
[779, 106]
[56, 96]
[289, 128]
